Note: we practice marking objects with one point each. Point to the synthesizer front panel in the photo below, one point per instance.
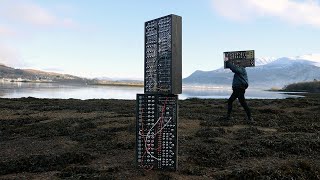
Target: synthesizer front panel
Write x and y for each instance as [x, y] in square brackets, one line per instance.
[163, 55]
[240, 58]
[156, 131]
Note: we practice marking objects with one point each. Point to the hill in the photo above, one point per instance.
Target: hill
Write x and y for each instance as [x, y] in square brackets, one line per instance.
[31, 75]
[313, 86]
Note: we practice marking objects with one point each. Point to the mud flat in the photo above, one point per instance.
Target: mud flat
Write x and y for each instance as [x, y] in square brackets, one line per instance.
[95, 139]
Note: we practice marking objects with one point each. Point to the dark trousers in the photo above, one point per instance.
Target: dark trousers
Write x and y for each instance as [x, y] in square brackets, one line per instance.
[238, 93]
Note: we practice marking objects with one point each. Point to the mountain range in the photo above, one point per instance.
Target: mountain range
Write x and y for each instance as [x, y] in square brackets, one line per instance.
[268, 72]
[12, 74]
[31, 75]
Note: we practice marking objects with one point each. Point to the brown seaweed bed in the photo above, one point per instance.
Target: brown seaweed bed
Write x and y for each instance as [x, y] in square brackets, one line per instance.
[95, 139]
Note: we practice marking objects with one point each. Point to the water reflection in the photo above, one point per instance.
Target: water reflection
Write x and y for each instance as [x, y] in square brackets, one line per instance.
[225, 92]
[51, 90]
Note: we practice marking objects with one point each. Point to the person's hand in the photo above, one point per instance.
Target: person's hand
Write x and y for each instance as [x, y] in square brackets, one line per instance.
[227, 64]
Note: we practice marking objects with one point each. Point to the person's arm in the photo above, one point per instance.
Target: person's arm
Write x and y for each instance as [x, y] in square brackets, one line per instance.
[233, 68]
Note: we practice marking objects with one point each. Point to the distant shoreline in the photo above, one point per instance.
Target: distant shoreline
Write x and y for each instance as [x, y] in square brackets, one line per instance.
[301, 87]
[89, 84]
[24, 81]
[118, 84]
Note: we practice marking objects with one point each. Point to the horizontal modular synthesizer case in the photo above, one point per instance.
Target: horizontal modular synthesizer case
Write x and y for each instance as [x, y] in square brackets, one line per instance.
[240, 58]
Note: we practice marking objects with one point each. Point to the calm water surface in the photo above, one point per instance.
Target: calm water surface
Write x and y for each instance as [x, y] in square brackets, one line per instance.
[52, 90]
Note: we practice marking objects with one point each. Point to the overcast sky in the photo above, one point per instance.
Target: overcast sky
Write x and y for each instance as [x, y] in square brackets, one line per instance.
[105, 37]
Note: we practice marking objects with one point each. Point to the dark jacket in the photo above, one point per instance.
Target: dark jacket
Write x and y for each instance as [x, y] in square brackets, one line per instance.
[240, 78]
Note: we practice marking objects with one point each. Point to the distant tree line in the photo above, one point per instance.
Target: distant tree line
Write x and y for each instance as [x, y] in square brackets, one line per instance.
[313, 86]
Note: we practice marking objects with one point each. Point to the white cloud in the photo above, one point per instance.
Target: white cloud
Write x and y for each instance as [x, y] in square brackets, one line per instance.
[10, 56]
[295, 12]
[32, 13]
[5, 31]
[15, 15]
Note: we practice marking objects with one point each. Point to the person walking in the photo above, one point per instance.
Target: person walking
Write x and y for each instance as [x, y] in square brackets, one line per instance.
[239, 85]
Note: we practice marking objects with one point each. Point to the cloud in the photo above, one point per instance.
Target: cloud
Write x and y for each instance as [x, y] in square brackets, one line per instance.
[34, 14]
[53, 69]
[10, 56]
[18, 15]
[305, 12]
[6, 31]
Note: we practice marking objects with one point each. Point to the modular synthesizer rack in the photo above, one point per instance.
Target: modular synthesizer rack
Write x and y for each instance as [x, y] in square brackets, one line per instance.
[157, 108]
[163, 56]
[156, 131]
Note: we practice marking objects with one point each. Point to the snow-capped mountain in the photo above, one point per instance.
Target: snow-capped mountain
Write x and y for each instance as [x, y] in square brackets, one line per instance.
[264, 61]
[269, 72]
[310, 57]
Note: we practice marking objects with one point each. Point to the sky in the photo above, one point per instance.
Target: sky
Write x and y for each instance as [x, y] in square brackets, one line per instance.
[105, 38]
